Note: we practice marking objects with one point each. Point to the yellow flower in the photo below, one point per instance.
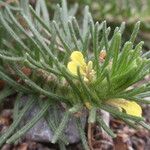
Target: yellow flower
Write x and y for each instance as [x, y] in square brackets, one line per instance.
[77, 60]
[88, 105]
[130, 107]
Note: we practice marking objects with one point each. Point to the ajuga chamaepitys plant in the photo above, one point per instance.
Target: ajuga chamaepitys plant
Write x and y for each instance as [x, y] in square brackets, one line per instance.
[80, 66]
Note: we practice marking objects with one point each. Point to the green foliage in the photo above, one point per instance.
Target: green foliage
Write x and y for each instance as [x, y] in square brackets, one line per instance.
[43, 45]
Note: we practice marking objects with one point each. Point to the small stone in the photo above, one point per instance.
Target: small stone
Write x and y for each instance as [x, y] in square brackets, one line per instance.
[122, 142]
[6, 113]
[23, 146]
[7, 147]
[40, 132]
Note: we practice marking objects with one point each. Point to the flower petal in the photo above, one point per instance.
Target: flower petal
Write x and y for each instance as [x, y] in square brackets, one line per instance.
[131, 107]
[72, 66]
[77, 56]
[88, 105]
[90, 65]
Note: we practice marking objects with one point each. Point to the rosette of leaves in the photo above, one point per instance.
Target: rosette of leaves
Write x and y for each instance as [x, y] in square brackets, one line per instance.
[116, 12]
[35, 61]
[129, 11]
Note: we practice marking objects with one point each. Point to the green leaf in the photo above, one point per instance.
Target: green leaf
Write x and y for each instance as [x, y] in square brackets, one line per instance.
[135, 32]
[105, 127]
[16, 122]
[29, 125]
[61, 127]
